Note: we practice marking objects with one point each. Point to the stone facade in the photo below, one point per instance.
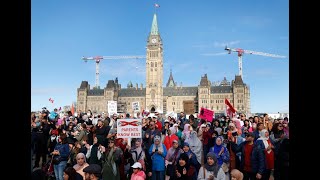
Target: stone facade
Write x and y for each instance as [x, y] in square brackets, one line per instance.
[155, 97]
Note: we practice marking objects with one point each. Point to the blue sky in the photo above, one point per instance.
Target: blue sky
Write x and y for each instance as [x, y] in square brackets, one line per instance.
[194, 35]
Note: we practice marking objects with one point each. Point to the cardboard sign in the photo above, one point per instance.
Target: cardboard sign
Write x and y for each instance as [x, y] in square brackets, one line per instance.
[135, 106]
[206, 114]
[112, 107]
[129, 128]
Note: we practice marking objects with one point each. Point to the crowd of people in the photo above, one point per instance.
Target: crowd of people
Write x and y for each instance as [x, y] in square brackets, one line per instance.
[85, 146]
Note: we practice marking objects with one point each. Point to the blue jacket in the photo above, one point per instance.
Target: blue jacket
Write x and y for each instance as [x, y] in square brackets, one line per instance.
[158, 159]
[63, 150]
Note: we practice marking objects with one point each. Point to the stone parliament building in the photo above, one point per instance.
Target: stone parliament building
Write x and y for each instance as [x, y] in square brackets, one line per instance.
[171, 98]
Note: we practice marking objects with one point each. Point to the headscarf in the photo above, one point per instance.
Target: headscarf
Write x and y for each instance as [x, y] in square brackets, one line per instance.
[159, 146]
[217, 149]
[264, 138]
[195, 145]
[173, 130]
[185, 157]
[186, 132]
[214, 167]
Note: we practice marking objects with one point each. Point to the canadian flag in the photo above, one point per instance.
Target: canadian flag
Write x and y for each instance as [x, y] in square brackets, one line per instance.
[156, 5]
[230, 111]
[51, 100]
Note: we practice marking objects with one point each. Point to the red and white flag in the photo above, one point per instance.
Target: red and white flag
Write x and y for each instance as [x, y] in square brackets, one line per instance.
[156, 5]
[230, 111]
[51, 100]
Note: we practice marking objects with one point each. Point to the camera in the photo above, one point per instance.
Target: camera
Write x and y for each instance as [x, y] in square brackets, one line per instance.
[156, 150]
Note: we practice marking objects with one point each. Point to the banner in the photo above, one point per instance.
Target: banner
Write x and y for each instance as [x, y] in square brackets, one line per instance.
[112, 107]
[129, 128]
[206, 114]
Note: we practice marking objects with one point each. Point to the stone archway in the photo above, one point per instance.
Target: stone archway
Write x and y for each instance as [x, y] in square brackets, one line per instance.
[152, 109]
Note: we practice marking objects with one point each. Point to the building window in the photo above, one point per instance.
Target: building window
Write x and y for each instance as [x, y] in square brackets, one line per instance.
[151, 64]
[217, 107]
[155, 64]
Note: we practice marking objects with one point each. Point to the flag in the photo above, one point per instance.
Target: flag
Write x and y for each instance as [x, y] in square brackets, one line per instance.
[156, 5]
[72, 109]
[60, 108]
[229, 108]
[51, 100]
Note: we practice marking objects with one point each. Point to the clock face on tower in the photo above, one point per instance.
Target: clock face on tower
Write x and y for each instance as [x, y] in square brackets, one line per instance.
[154, 40]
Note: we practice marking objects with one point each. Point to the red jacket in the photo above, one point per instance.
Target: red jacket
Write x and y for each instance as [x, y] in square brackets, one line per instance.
[169, 139]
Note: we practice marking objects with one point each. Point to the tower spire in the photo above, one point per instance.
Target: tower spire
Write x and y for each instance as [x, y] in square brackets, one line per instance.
[154, 27]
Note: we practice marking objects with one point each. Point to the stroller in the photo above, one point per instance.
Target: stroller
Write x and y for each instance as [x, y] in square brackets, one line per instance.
[48, 169]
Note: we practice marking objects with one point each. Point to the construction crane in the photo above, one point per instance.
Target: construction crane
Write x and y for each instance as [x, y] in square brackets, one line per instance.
[242, 51]
[97, 59]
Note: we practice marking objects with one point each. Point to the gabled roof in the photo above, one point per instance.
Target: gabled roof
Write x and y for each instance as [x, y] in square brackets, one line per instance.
[184, 91]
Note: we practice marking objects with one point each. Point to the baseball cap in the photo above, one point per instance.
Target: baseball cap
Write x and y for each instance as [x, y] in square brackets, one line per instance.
[136, 165]
[92, 169]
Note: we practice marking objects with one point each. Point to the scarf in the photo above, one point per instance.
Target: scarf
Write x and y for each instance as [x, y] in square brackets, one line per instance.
[214, 167]
[264, 139]
[217, 149]
[195, 145]
[111, 161]
[159, 147]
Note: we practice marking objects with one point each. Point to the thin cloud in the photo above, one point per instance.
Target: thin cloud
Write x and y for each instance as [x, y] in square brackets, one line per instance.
[223, 44]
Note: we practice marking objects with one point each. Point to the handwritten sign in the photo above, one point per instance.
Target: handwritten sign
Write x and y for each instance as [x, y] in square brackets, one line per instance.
[206, 114]
[129, 128]
[112, 107]
[136, 106]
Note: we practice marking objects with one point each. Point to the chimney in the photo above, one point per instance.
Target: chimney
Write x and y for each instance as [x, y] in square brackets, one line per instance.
[136, 86]
[141, 86]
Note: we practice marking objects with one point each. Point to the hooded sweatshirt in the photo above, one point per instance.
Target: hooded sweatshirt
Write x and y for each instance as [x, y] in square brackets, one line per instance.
[138, 176]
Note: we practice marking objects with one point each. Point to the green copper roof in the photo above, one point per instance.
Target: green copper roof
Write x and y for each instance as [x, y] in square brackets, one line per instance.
[154, 27]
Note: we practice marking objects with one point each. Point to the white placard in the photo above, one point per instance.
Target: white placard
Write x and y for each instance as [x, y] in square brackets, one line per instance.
[112, 107]
[129, 128]
[135, 106]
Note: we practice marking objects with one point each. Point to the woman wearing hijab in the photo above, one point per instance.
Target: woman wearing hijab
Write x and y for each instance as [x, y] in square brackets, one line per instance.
[268, 147]
[169, 138]
[192, 156]
[81, 164]
[184, 170]
[172, 158]
[177, 132]
[186, 133]
[158, 152]
[195, 145]
[220, 151]
[112, 156]
[211, 170]
[138, 154]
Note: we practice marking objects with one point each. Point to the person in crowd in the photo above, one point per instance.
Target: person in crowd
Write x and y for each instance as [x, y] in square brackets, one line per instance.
[81, 164]
[61, 150]
[184, 170]
[169, 138]
[70, 173]
[92, 172]
[177, 132]
[158, 152]
[138, 173]
[186, 132]
[195, 145]
[172, 159]
[236, 174]
[268, 147]
[94, 152]
[192, 156]
[220, 151]
[252, 157]
[256, 132]
[112, 160]
[211, 170]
